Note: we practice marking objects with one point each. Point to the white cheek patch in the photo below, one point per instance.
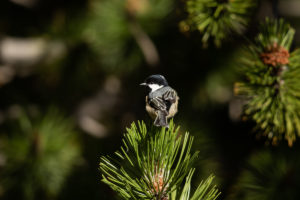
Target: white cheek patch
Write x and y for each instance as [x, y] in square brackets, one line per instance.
[154, 87]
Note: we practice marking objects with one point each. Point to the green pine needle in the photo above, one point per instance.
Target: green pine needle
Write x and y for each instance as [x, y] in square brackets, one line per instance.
[271, 82]
[270, 175]
[217, 19]
[39, 156]
[152, 164]
[203, 191]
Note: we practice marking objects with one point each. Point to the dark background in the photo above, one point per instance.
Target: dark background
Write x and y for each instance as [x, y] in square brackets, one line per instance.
[83, 59]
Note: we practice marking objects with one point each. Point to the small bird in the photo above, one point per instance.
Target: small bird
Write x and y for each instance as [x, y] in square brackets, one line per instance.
[162, 100]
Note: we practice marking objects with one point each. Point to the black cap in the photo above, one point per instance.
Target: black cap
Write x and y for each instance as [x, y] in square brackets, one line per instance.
[155, 79]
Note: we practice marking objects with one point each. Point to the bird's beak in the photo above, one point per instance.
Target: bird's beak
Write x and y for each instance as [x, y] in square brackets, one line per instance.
[143, 84]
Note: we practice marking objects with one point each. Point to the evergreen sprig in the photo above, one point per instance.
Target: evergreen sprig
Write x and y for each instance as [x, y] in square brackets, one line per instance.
[152, 164]
[217, 19]
[271, 82]
[39, 156]
[269, 175]
[203, 191]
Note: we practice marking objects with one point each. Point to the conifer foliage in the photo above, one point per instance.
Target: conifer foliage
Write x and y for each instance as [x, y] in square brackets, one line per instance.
[271, 82]
[39, 154]
[217, 19]
[266, 172]
[153, 164]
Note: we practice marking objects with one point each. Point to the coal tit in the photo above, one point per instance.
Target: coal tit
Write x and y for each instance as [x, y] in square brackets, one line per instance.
[162, 100]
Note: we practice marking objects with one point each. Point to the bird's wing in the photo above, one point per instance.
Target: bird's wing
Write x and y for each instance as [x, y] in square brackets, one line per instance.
[158, 103]
[170, 96]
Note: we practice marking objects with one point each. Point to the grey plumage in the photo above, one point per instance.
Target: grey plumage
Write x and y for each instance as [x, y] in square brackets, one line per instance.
[162, 104]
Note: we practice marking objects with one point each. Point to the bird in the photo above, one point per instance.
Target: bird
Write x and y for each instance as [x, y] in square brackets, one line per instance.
[161, 101]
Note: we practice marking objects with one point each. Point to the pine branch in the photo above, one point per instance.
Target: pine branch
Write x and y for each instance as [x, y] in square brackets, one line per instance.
[153, 164]
[39, 156]
[217, 19]
[270, 174]
[271, 81]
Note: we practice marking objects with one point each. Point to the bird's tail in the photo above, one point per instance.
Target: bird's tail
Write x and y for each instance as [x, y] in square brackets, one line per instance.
[161, 119]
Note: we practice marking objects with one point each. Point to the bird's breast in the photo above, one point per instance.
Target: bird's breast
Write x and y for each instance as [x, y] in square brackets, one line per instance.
[151, 111]
[173, 109]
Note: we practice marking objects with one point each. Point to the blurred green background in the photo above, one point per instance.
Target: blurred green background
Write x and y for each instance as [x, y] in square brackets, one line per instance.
[69, 86]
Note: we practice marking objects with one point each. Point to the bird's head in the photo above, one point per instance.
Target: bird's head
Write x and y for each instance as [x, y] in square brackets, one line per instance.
[154, 82]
